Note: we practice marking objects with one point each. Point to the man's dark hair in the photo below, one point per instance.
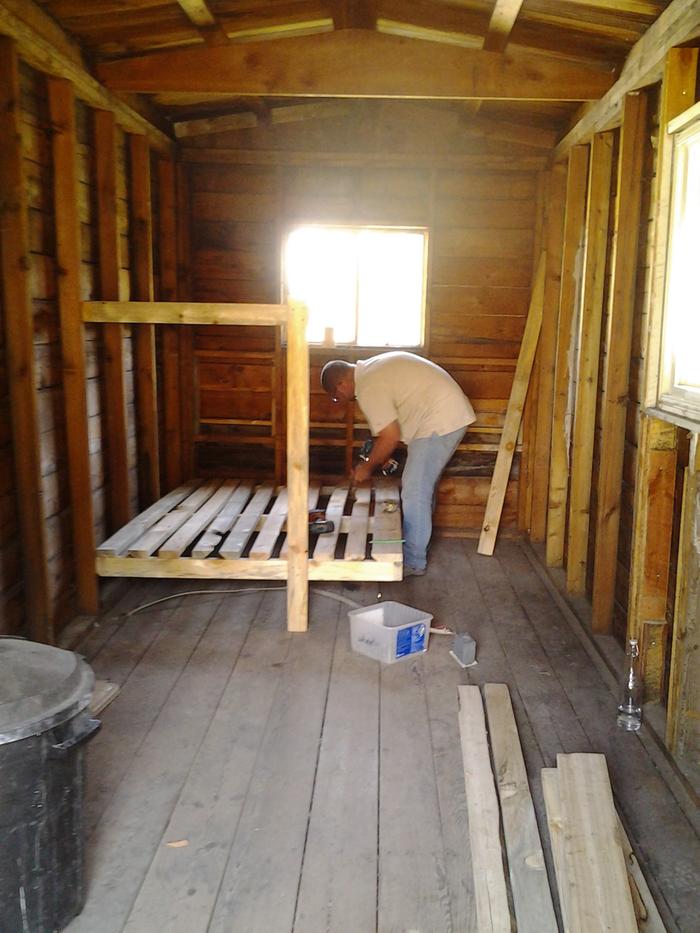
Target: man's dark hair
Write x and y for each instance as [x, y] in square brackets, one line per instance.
[333, 372]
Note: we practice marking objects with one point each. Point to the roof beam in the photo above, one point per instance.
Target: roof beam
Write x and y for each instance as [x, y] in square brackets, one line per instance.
[354, 14]
[501, 24]
[354, 63]
[225, 122]
[679, 23]
[199, 14]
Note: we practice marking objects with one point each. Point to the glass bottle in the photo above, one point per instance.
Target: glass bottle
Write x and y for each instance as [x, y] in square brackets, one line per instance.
[629, 711]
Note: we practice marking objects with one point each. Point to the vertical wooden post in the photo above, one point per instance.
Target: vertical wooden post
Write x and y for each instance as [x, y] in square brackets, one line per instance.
[144, 334]
[598, 211]
[188, 403]
[19, 336]
[65, 192]
[657, 447]
[683, 692]
[105, 142]
[618, 344]
[297, 470]
[167, 241]
[547, 351]
[569, 299]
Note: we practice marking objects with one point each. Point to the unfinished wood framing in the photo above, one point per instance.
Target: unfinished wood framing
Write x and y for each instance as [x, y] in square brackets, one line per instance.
[595, 265]
[569, 303]
[618, 344]
[657, 447]
[297, 469]
[65, 189]
[19, 335]
[143, 336]
[105, 143]
[170, 337]
[511, 425]
[556, 198]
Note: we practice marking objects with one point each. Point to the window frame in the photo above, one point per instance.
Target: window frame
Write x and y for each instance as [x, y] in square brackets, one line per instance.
[418, 348]
[672, 401]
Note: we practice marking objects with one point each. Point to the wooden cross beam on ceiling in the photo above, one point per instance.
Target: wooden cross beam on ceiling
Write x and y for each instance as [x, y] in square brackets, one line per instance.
[199, 14]
[355, 63]
[354, 14]
[503, 18]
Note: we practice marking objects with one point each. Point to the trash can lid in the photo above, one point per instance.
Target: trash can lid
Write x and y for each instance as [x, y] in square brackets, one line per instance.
[40, 687]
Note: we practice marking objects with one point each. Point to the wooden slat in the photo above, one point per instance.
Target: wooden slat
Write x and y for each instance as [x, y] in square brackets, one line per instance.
[194, 526]
[597, 892]
[532, 900]
[223, 522]
[117, 466]
[66, 212]
[490, 892]
[119, 542]
[569, 297]
[356, 544]
[387, 541]
[19, 331]
[271, 529]
[555, 824]
[511, 427]
[297, 468]
[326, 544]
[183, 312]
[235, 542]
[597, 216]
[166, 526]
[503, 17]
[344, 64]
[556, 198]
[618, 344]
[167, 291]
[143, 337]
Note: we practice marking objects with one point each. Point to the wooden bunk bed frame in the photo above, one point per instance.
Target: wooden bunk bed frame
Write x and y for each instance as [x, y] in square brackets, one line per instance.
[152, 544]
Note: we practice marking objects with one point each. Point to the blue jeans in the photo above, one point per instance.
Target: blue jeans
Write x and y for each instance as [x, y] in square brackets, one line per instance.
[427, 458]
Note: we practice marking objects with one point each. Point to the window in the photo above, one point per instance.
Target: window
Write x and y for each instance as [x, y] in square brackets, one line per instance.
[679, 388]
[363, 286]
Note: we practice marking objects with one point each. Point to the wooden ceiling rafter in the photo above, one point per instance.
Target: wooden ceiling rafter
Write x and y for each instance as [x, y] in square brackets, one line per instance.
[505, 13]
[354, 14]
[201, 16]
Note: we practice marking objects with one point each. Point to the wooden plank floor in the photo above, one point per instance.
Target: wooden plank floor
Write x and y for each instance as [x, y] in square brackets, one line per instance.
[248, 779]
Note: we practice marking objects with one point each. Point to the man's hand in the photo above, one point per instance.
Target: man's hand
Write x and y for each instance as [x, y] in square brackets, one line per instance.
[362, 472]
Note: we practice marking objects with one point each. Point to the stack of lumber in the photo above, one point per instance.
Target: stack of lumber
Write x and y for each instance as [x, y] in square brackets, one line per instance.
[600, 885]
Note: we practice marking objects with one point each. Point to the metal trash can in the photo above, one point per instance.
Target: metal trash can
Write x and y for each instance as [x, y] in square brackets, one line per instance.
[44, 723]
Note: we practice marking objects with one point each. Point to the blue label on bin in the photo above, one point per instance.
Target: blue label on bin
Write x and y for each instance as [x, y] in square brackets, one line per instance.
[411, 639]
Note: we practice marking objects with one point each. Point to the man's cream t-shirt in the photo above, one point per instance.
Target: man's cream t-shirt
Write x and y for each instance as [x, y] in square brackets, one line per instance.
[421, 396]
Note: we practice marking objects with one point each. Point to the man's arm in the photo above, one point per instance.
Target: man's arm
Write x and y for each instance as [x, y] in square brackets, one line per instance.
[384, 444]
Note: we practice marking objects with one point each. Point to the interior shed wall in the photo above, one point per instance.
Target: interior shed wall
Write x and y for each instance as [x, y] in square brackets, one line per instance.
[481, 218]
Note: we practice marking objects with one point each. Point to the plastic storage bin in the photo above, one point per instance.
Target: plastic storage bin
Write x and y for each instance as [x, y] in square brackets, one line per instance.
[44, 724]
[389, 631]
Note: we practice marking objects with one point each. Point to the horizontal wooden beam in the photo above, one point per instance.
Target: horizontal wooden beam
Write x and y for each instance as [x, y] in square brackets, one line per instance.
[355, 63]
[245, 568]
[296, 113]
[182, 312]
[496, 163]
[679, 23]
[43, 55]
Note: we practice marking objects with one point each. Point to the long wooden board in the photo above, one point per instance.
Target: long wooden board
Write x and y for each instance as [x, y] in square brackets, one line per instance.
[516, 403]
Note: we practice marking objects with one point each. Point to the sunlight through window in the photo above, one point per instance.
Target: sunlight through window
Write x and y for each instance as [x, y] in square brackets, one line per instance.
[365, 285]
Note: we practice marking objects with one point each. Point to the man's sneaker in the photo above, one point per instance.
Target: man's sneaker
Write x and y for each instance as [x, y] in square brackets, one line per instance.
[413, 572]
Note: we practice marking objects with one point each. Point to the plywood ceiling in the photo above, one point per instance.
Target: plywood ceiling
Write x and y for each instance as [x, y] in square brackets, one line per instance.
[592, 34]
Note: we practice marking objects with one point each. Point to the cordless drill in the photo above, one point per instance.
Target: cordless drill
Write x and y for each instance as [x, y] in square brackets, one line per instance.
[388, 468]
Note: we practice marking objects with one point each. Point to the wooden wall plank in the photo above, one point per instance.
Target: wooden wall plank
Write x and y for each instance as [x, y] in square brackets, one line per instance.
[19, 330]
[141, 241]
[618, 344]
[657, 445]
[553, 234]
[569, 298]
[167, 243]
[297, 470]
[188, 401]
[65, 183]
[597, 216]
[105, 143]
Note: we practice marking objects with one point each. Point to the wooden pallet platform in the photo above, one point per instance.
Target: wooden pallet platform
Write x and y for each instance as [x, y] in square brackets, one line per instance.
[234, 529]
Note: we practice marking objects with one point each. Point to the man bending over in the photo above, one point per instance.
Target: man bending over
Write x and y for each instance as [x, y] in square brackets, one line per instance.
[406, 398]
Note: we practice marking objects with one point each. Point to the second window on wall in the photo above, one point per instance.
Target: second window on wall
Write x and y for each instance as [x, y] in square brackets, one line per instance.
[363, 286]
